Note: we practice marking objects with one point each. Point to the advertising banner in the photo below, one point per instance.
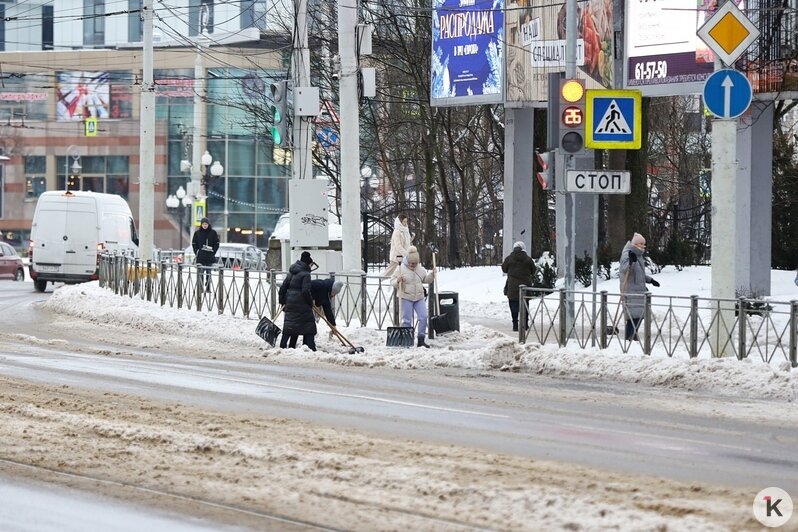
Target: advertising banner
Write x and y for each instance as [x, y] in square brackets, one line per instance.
[536, 47]
[82, 95]
[664, 54]
[467, 52]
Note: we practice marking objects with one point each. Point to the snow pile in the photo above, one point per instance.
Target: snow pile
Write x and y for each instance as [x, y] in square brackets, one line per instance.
[477, 347]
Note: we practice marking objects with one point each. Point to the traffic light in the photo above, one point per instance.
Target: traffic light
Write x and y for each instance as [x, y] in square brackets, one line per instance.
[572, 115]
[545, 162]
[280, 115]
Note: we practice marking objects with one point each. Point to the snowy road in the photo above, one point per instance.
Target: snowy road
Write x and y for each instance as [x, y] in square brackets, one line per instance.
[619, 428]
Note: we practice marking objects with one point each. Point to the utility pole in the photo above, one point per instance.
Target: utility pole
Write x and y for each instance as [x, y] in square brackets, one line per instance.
[570, 203]
[350, 136]
[147, 142]
[198, 133]
[302, 167]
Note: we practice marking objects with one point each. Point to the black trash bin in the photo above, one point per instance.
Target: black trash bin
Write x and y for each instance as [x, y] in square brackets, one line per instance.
[450, 305]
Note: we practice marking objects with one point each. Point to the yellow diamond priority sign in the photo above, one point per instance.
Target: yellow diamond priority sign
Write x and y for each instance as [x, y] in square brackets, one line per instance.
[728, 32]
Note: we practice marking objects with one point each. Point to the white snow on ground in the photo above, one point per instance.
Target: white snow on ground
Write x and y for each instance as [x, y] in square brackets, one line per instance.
[476, 347]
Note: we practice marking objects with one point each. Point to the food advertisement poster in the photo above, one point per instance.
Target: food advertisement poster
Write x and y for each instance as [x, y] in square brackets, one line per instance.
[536, 47]
[467, 52]
[664, 54]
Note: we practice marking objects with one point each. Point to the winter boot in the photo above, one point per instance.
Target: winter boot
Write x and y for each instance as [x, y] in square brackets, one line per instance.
[421, 342]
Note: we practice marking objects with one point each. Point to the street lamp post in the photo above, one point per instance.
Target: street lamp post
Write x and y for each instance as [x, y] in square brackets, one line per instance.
[73, 152]
[213, 171]
[179, 200]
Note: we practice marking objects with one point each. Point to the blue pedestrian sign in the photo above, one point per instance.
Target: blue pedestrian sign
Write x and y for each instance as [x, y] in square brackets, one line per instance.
[613, 119]
[727, 93]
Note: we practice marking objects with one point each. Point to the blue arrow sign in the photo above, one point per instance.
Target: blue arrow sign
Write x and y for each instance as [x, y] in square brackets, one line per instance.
[727, 93]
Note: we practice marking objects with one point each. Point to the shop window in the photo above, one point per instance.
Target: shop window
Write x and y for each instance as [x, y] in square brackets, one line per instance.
[35, 186]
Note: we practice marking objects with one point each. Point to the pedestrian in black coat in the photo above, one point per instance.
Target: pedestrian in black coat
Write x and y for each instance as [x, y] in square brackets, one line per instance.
[323, 291]
[297, 299]
[520, 270]
[205, 244]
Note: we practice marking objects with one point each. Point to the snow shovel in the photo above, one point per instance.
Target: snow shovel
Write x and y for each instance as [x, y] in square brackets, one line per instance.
[439, 322]
[400, 336]
[341, 338]
[268, 330]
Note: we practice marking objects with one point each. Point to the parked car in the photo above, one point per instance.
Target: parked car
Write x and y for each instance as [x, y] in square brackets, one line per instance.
[10, 263]
[231, 255]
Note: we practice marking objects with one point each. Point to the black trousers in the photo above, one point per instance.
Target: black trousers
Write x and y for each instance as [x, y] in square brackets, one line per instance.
[632, 326]
[515, 308]
[289, 340]
[206, 273]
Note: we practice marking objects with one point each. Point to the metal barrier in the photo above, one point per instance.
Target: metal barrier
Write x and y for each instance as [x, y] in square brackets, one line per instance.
[671, 325]
[366, 300]
[692, 326]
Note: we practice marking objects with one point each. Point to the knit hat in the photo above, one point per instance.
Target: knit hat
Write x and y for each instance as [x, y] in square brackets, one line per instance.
[205, 221]
[638, 240]
[519, 245]
[412, 255]
[306, 258]
[336, 287]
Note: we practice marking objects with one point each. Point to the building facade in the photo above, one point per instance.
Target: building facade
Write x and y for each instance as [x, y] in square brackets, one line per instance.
[69, 110]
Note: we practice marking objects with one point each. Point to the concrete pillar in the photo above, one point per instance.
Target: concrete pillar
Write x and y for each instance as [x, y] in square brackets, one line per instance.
[518, 175]
[754, 200]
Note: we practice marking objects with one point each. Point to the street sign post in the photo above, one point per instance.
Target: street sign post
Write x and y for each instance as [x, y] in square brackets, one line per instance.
[613, 119]
[598, 181]
[727, 93]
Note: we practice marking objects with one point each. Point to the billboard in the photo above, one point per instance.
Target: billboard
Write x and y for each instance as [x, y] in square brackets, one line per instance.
[536, 47]
[82, 95]
[467, 52]
[664, 55]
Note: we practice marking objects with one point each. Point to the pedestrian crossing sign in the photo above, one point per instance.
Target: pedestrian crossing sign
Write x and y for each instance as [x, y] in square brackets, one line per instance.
[613, 119]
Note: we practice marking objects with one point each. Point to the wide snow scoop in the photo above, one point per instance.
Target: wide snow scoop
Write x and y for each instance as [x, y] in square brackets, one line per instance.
[400, 336]
[438, 322]
[268, 330]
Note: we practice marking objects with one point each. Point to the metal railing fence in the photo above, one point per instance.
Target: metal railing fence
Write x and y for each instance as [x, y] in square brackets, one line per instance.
[365, 300]
[671, 325]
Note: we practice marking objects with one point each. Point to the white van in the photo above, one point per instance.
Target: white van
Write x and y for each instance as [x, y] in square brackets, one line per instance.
[71, 229]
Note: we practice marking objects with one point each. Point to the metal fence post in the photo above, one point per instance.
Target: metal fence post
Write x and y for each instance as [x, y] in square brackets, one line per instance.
[163, 283]
[148, 281]
[563, 320]
[220, 292]
[522, 314]
[794, 333]
[693, 326]
[116, 275]
[180, 285]
[200, 290]
[603, 320]
[742, 316]
[246, 293]
[647, 326]
[364, 298]
[272, 294]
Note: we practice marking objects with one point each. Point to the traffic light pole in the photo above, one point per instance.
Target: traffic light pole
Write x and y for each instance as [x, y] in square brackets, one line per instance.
[570, 203]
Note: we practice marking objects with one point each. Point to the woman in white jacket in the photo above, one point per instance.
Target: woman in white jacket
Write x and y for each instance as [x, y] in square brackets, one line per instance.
[409, 280]
[400, 244]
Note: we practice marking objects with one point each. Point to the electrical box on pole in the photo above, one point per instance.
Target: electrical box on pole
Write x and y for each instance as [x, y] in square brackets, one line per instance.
[572, 116]
[279, 127]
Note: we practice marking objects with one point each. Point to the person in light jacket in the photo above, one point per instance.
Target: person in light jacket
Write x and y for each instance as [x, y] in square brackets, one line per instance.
[410, 279]
[400, 244]
[633, 279]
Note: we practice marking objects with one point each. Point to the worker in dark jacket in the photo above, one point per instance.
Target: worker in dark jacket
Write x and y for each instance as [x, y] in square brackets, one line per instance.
[205, 243]
[520, 270]
[295, 295]
[323, 291]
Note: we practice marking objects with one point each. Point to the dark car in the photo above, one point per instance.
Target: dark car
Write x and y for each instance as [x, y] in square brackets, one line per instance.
[10, 263]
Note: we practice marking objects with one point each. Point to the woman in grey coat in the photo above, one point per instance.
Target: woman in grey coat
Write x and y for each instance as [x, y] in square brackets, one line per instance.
[633, 283]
